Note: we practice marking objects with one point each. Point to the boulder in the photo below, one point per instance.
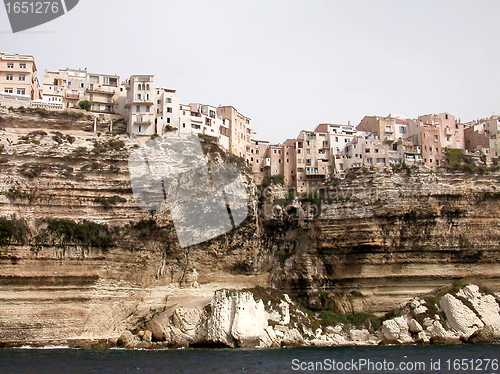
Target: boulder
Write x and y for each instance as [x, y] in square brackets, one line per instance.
[147, 336]
[396, 329]
[159, 325]
[486, 307]
[292, 338]
[414, 326]
[186, 319]
[359, 335]
[459, 316]
[125, 339]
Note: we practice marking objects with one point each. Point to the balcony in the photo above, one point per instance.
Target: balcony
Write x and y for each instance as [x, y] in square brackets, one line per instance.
[142, 123]
[72, 96]
[389, 130]
[103, 90]
[102, 101]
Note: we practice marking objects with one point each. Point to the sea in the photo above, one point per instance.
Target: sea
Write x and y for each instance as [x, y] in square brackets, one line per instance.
[379, 359]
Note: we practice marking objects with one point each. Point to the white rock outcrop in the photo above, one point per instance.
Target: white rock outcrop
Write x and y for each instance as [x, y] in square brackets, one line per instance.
[237, 320]
[459, 316]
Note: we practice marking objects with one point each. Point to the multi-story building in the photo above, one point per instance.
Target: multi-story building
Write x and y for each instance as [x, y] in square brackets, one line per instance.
[241, 134]
[483, 136]
[18, 76]
[405, 152]
[289, 162]
[150, 109]
[70, 86]
[367, 151]
[436, 133]
[388, 129]
[314, 163]
[140, 105]
[338, 137]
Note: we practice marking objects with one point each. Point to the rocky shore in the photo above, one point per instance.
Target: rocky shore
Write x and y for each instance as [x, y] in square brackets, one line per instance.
[251, 319]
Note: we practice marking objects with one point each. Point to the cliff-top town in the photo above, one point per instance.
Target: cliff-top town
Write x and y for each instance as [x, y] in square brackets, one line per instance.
[312, 157]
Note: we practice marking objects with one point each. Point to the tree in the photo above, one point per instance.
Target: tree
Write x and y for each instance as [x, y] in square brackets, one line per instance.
[84, 104]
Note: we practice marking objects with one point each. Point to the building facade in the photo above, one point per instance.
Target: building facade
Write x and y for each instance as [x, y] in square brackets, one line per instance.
[70, 86]
[18, 76]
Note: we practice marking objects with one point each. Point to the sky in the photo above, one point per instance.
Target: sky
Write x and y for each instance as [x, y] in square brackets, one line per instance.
[288, 65]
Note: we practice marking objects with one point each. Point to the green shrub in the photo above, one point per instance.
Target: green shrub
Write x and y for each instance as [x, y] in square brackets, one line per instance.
[86, 233]
[13, 231]
[85, 104]
[108, 202]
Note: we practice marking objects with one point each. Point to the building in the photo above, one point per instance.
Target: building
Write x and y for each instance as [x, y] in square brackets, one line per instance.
[314, 163]
[366, 151]
[388, 129]
[338, 138]
[149, 109]
[18, 76]
[70, 86]
[483, 136]
[241, 134]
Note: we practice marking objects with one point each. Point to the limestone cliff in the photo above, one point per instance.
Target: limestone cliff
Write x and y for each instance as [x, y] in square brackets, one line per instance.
[79, 260]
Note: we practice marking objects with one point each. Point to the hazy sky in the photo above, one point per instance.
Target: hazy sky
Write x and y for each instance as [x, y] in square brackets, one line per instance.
[289, 65]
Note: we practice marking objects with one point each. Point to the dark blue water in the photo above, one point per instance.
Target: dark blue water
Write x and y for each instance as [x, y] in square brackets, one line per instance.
[430, 359]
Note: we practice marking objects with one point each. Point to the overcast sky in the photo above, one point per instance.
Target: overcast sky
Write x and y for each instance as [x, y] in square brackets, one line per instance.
[289, 65]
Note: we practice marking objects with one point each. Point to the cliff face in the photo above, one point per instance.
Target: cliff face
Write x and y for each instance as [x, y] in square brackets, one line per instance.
[79, 260]
[384, 237]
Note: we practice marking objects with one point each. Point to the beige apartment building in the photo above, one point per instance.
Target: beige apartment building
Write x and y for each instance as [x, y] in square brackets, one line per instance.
[289, 162]
[388, 128]
[70, 86]
[18, 76]
[241, 134]
[366, 151]
[314, 163]
[338, 137]
[483, 136]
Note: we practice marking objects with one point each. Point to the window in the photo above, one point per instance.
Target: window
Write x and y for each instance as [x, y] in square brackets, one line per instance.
[138, 118]
[184, 125]
[369, 160]
[402, 129]
[10, 66]
[82, 85]
[8, 90]
[158, 101]
[169, 110]
[457, 126]
[445, 116]
[139, 96]
[147, 87]
[168, 100]
[380, 160]
[22, 66]
[147, 108]
[69, 83]
[308, 151]
[21, 91]
[139, 87]
[168, 120]
[146, 97]
[138, 108]
[94, 79]
[9, 77]
[436, 138]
